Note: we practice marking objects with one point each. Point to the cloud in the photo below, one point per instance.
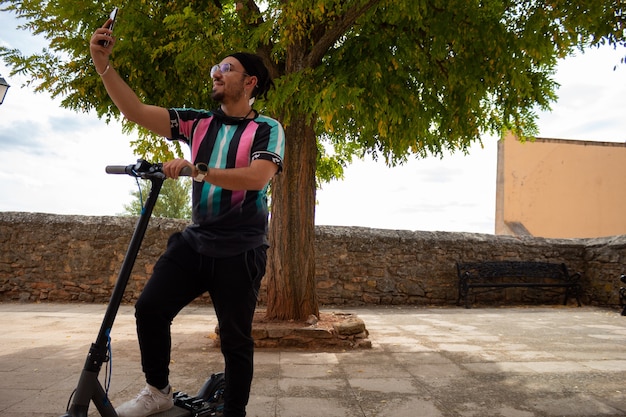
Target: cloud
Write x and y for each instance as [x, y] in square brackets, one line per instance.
[590, 104]
[69, 123]
[456, 193]
[21, 135]
[21, 39]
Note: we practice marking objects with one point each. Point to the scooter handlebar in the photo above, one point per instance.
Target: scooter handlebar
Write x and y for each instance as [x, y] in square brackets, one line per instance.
[119, 169]
[142, 169]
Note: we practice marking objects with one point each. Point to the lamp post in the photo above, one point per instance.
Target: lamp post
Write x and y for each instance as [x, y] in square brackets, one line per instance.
[4, 87]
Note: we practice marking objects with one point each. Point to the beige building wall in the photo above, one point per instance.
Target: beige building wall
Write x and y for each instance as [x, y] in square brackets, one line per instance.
[558, 188]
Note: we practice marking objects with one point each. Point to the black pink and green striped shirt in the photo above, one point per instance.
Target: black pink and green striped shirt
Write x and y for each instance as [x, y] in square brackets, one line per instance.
[227, 222]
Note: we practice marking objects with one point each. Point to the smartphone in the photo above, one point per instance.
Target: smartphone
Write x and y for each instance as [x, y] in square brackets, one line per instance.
[112, 17]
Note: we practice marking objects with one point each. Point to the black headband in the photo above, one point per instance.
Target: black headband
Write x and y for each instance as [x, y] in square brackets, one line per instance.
[247, 63]
[253, 65]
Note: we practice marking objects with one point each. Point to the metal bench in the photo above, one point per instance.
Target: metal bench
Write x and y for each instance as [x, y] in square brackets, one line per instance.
[492, 275]
[622, 295]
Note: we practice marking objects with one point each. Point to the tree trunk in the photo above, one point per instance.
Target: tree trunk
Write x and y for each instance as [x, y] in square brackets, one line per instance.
[291, 290]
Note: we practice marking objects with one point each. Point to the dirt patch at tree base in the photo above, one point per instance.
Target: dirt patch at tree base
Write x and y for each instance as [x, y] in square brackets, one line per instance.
[329, 331]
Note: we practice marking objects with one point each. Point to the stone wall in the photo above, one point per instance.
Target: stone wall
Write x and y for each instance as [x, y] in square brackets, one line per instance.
[46, 257]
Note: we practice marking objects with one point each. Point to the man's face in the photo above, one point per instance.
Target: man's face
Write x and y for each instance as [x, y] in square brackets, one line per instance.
[228, 86]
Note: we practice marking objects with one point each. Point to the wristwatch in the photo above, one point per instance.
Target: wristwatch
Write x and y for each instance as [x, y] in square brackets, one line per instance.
[203, 169]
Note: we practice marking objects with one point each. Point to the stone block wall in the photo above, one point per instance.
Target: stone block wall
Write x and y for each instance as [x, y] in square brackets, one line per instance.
[46, 257]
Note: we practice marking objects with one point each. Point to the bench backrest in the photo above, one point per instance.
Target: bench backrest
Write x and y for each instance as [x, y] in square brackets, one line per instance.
[503, 269]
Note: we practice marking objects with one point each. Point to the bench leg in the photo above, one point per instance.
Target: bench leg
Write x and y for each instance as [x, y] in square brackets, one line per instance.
[465, 296]
[463, 292]
[576, 294]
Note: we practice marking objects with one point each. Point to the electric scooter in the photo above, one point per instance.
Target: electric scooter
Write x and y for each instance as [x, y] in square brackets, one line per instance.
[209, 399]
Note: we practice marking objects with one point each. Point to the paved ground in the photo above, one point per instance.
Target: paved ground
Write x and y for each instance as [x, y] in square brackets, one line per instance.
[509, 362]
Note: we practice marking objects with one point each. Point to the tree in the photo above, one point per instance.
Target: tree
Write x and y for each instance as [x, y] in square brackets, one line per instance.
[390, 78]
[174, 199]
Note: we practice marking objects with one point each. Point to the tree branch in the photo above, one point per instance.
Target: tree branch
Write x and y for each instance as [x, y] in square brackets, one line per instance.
[334, 33]
[264, 51]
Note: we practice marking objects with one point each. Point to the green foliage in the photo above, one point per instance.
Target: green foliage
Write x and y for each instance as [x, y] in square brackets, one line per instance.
[174, 199]
[390, 78]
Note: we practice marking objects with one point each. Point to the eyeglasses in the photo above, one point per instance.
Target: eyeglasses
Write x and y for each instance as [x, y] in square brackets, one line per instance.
[226, 67]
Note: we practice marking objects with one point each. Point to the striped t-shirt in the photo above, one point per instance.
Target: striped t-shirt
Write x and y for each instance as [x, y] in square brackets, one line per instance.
[227, 222]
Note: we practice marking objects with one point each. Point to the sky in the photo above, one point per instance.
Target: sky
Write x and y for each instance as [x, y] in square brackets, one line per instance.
[52, 159]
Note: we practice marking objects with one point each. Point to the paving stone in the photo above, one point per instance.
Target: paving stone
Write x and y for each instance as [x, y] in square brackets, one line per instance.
[424, 362]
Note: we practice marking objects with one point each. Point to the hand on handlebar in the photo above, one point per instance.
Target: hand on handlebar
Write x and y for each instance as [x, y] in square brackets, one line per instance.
[172, 169]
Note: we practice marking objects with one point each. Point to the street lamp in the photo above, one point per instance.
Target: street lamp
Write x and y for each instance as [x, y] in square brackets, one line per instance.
[4, 87]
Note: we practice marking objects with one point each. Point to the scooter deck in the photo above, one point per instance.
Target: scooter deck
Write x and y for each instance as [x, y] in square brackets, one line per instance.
[177, 411]
[174, 412]
[187, 405]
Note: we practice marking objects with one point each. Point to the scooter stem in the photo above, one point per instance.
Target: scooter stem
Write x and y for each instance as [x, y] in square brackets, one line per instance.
[89, 387]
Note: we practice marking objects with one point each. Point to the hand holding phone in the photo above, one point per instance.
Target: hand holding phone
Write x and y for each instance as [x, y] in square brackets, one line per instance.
[112, 17]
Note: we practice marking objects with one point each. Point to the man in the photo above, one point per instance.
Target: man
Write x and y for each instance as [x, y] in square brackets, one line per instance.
[234, 154]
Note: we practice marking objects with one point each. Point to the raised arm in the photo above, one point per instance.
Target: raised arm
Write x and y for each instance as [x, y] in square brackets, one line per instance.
[153, 118]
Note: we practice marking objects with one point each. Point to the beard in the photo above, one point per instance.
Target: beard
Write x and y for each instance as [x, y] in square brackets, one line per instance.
[231, 92]
[217, 96]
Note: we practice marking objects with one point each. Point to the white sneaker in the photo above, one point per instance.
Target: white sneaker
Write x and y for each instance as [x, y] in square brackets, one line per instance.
[149, 401]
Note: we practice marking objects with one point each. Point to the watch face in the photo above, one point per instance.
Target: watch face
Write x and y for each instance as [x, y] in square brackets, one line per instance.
[202, 167]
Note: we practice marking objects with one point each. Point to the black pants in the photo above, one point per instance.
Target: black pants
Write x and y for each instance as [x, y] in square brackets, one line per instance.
[181, 275]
